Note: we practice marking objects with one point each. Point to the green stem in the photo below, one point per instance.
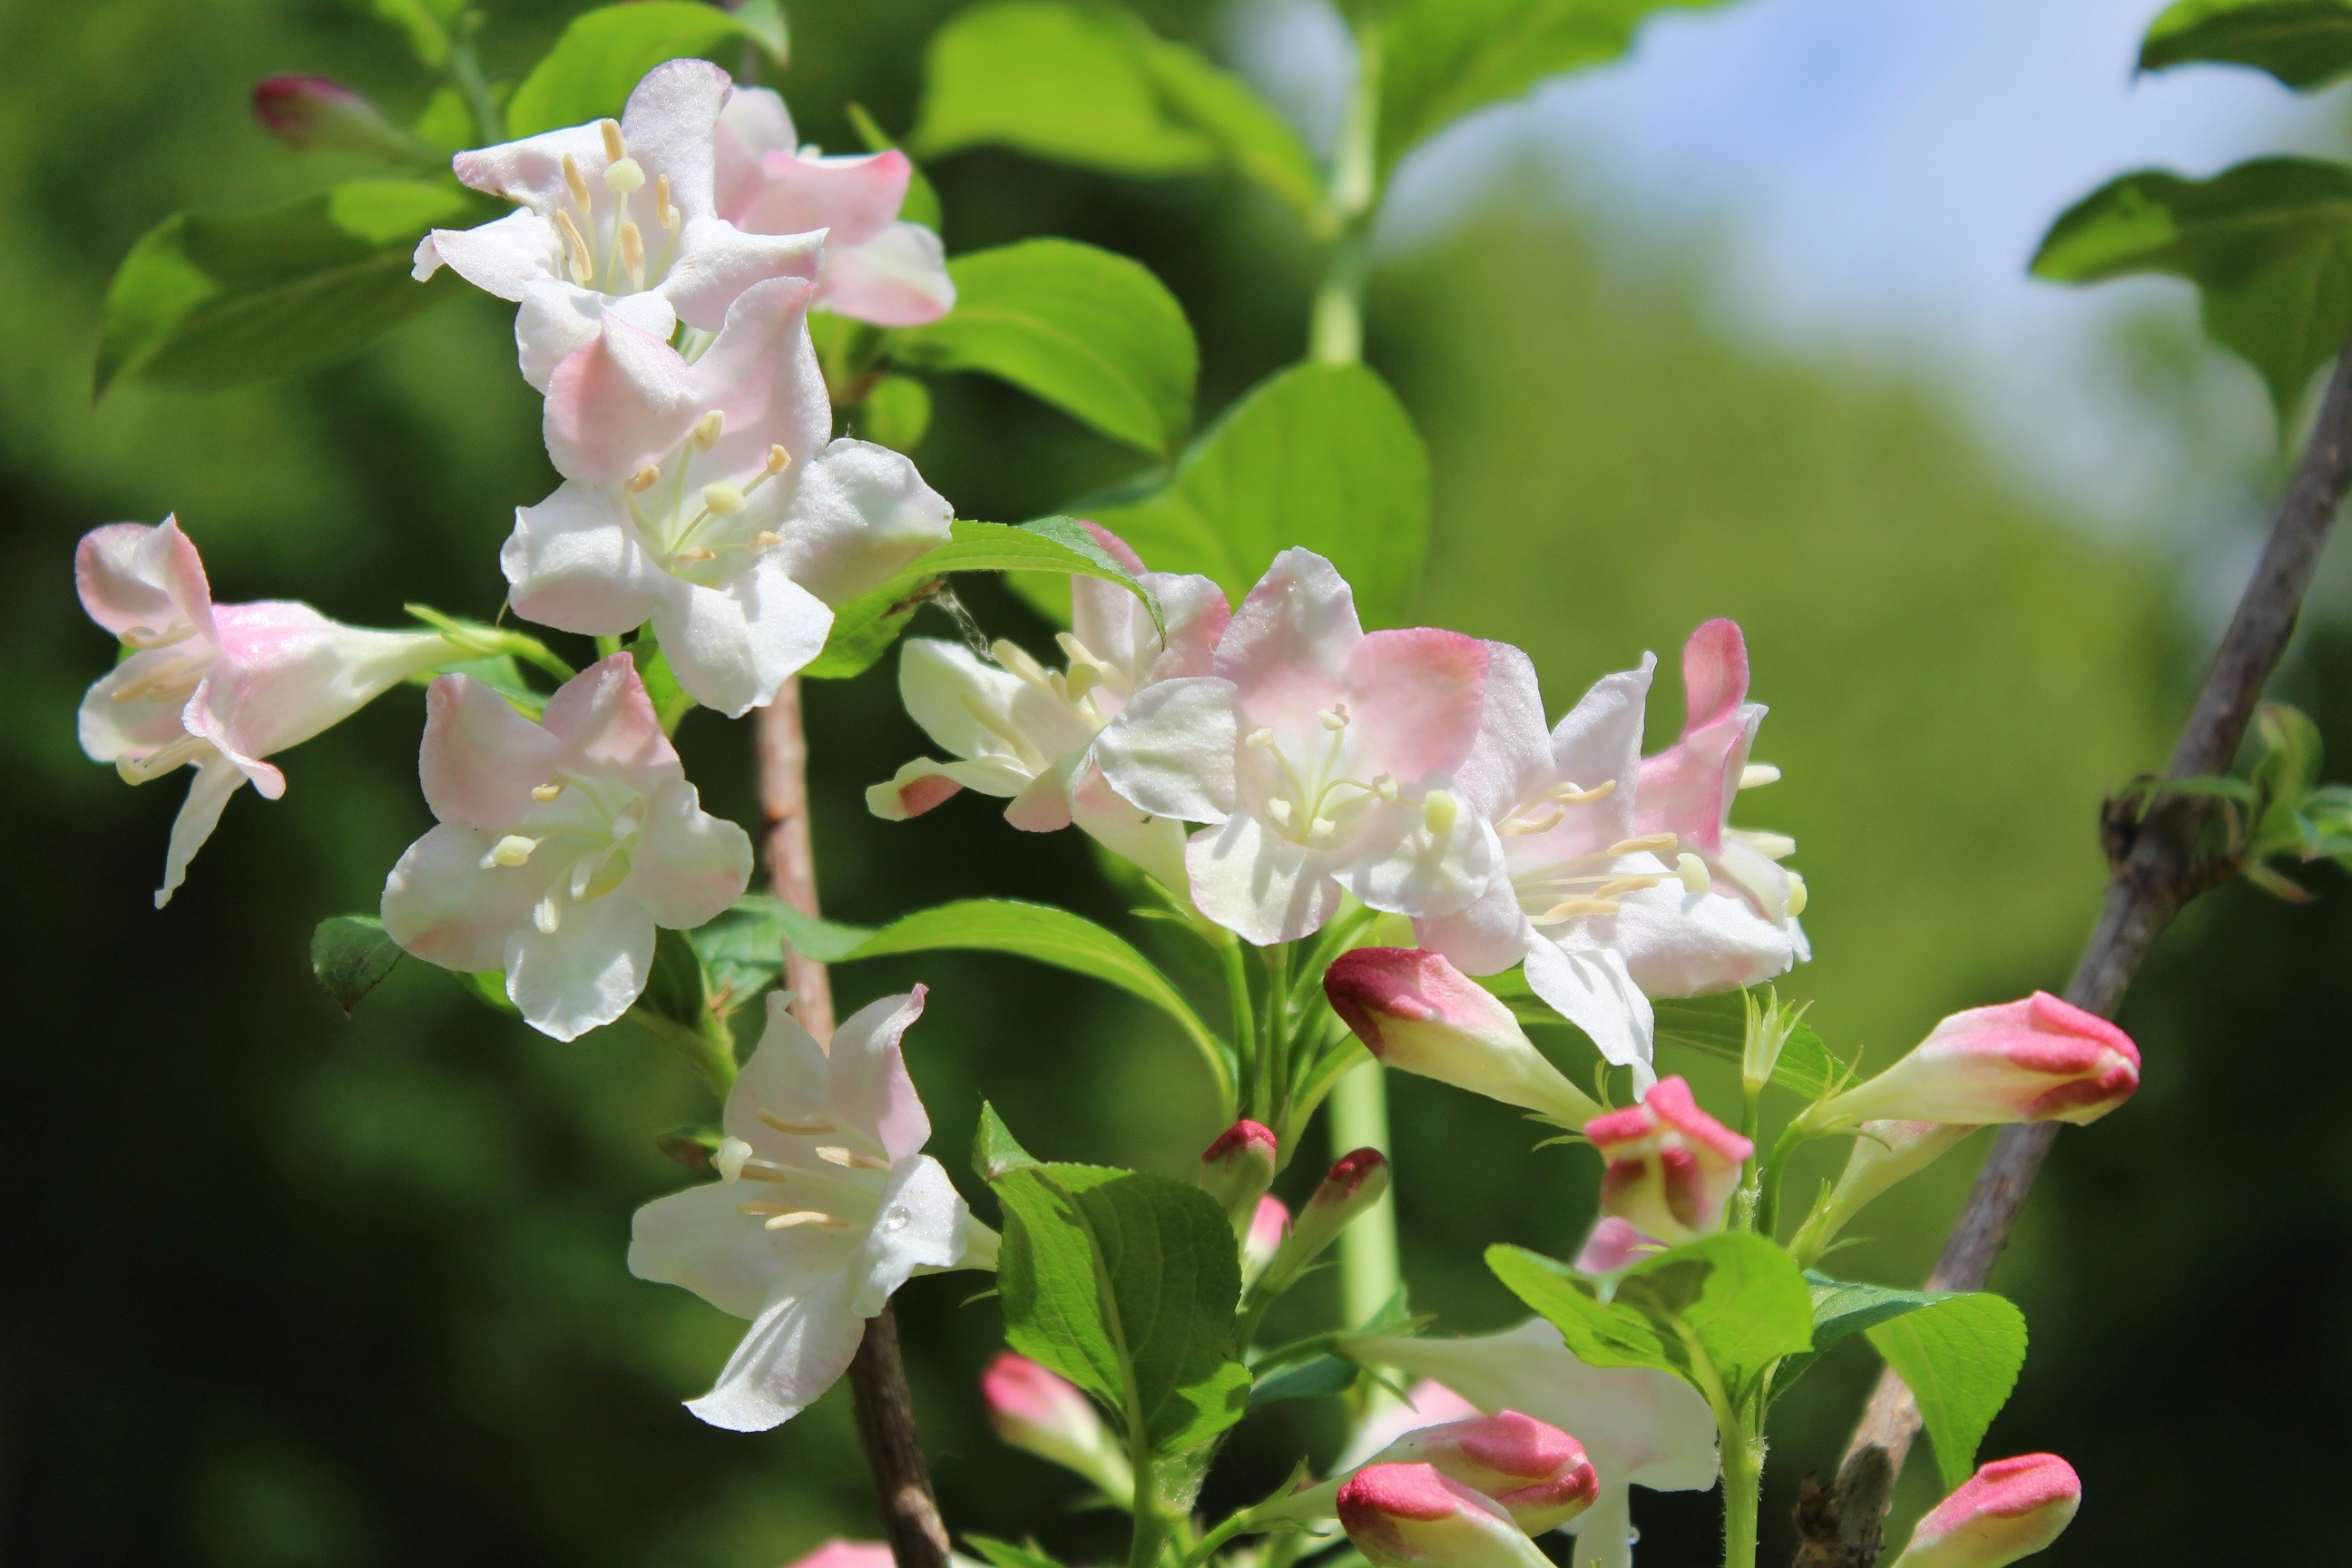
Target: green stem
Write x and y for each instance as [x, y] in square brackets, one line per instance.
[1255, 1091]
[1238, 1524]
[709, 1050]
[466, 71]
[1151, 1523]
[1368, 1249]
[1336, 330]
[1768, 1201]
[1743, 1478]
[1276, 1035]
[1751, 1117]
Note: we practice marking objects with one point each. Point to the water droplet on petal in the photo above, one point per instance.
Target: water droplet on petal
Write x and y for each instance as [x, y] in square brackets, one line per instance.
[895, 1219]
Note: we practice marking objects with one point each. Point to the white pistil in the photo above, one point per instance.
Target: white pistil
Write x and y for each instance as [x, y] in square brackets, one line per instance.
[1439, 812]
[1261, 737]
[817, 1129]
[510, 851]
[849, 1159]
[1693, 873]
[162, 761]
[625, 177]
[721, 499]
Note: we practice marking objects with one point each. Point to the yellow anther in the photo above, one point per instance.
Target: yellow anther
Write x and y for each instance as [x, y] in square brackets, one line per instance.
[1440, 811]
[625, 177]
[576, 254]
[817, 1218]
[514, 849]
[1573, 794]
[1625, 885]
[1569, 909]
[1795, 904]
[644, 479]
[546, 792]
[1693, 873]
[633, 253]
[1514, 827]
[663, 214]
[1647, 843]
[766, 540]
[723, 498]
[796, 1129]
[1756, 775]
[708, 429]
[574, 182]
[777, 460]
[693, 553]
[615, 149]
[849, 1159]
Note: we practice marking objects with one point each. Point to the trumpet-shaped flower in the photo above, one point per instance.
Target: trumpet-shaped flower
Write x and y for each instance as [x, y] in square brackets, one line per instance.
[1604, 914]
[1639, 1428]
[1321, 758]
[2036, 1059]
[219, 687]
[2010, 1509]
[1671, 1166]
[561, 845]
[1043, 1412]
[616, 220]
[1415, 1012]
[1415, 1516]
[877, 267]
[709, 499]
[826, 1204]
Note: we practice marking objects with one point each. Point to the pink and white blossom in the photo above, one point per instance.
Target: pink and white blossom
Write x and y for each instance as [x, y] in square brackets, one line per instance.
[218, 687]
[1043, 1413]
[1613, 1245]
[1671, 1167]
[708, 497]
[616, 219]
[878, 267]
[1417, 1012]
[1415, 1516]
[2010, 1509]
[1355, 1180]
[2036, 1059]
[1321, 758]
[825, 1205]
[561, 846]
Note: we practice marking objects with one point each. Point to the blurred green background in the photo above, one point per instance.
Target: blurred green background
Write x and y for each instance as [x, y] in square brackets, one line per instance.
[285, 1290]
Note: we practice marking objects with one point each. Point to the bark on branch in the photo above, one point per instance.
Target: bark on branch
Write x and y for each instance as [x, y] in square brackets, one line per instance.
[878, 1378]
[2157, 871]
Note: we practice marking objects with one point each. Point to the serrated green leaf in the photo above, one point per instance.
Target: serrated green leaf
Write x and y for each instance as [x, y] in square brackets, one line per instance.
[2306, 44]
[1319, 456]
[1960, 1358]
[210, 299]
[1317, 1377]
[1126, 1284]
[994, 1151]
[1842, 1309]
[602, 54]
[1091, 333]
[351, 954]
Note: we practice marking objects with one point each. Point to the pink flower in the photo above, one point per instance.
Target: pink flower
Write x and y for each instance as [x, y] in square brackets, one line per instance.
[2039, 1059]
[1321, 758]
[1238, 1167]
[218, 686]
[1269, 1223]
[2010, 1509]
[561, 845]
[1412, 1516]
[877, 267]
[710, 499]
[1415, 1012]
[839, 1553]
[1671, 1166]
[1037, 1410]
[617, 218]
[1537, 1473]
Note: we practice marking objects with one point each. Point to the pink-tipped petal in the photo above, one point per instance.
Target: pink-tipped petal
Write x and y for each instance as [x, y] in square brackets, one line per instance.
[603, 721]
[755, 123]
[1287, 648]
[623, 402]
[480, 759]
[1715, 673]
[2010, 1509]
[897, 278]
[868, 1079]
[145, 585]
[1414, 700]
[855, 198]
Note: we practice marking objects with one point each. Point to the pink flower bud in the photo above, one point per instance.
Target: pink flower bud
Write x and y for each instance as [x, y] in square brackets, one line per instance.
[319, 114]
[1356, 1181]
[1411, 1516]
[1613, 1245]
[2008, 1509]
[1672, 1167]
[2039, 1060]
[840, 1554]
[1537, 1473]
[1417, 1012]
[1268, 1225]
[1043, 1413]
[1237, 1168]
[1427, 1403]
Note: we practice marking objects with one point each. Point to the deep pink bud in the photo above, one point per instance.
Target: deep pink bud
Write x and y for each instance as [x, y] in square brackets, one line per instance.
[1417, 1012]
[1411, 1516]
[319, 114]
[1033, 1408]
[1237, 1168]
[1355, 1182]
[840, 1554]
[1537, 1473]
[2008, 1509]
[1672, 1167]
[2039, 1060]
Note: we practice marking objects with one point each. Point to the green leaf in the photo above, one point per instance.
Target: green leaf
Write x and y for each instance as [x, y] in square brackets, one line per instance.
[864, 627]
[351, 955]
[896, 413]
[2268, 244]
[1442, 59]
[1091, 85]
[1319, 456]
[1314, 1378]
[210, 299]
[1126, 1284]
[1004, 1555]
[2306, 43]
[1093, 333]
[994, 1151]
[603, 53]
[1842, 1309]
[1961, 1357]
[674, 990]
[742, 951]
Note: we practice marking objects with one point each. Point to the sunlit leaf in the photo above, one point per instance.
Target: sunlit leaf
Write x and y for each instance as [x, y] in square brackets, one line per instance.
[602, 54]
[2306, 43]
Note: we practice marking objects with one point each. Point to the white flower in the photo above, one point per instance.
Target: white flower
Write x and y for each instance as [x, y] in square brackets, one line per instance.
[826, 1205]
[218, 686]
[561, 845]
[617, 217]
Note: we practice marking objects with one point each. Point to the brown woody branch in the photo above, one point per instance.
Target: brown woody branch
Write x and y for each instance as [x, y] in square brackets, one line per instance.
[2157, 871]
[878, 1378]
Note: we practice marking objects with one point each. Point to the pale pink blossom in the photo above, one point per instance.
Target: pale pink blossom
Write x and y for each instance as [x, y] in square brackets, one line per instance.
[1322, 760]
[561, 845]
[1040, 1411]
[1612, 1246]
[709, 499]
[825, 1205]
[2037, 1059]
[616, 219]
[878, 267]
[1417, 1012]
[2010, 1509]
[1415, 1516]
[1671, 1167]
[219, 687]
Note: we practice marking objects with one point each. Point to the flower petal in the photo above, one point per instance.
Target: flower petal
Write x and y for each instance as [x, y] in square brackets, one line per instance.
[1154, 843]
[1591, 990]
[797, 1348]
[1604, 1533]
[286, 673]
[920, 1224]
[576, 563]
[896, 278]
[858, 514]
[605, 724]
[620, 403]
[984, 713]
[113, 724]
[1286, 650]
[1600, 743]
[1678, 943]
[529, 172]
[1397, 863]
[867, 1081]
[1715, 674]
[716, 261]
[143, 583]
[698, 1239]
[788, 1076]
[1687, 789]
[1258, 885]
[216, 780]
[754, 123]
[1171, 749]
[1487, 937]
[691, 865]
[444, 905]
[760, 372]
[732, 646]
[671, 123]
[1045, 806]
[480, 759]
[1510, 761]
[1415, 700]
[853, 197]
[558, 320]
[505, 258]
[587, 973]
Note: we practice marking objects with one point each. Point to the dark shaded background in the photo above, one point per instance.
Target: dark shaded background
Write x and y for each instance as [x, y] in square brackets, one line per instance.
[282, 1289]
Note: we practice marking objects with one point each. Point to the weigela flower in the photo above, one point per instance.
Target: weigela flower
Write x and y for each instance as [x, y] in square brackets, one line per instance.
[1638, 1427]
[219, 687]
[2038, 1059]
[1322, 758]
[2010, 1509]
[708, 497]
[616, 219]
[1613, 1245]
[561, 845]
[877, 267]
[1415, 1516]
[1605, 914]
[1427, 1403]
[1021, 731]
[1237, 1168]
[826, 1204]
[1415, 1012]
[1671, 1166]
[1043, 1413]
[1357, 1181]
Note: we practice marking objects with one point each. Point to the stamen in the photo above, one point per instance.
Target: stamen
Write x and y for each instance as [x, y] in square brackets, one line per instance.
[576, 254]
[625, 177]
[663, 214]
[1334, 718]
[1693, 873]
[693, 553]
[158, 763]
[1573, 794]
[757, 1170]
[547, 792]
[1512, 826]
[1081, 679]
[1440, 811]
[644, 479]
[574, 182]
[1320, 830]
[1772, 846]
[817, 1218]
[1385, 788]
[778, 458]
[624, 824]
[512, 850]
[708, 429]
[731, 1155]
[850, 1159]
[1569, 909]
[547, 914]
[1756, 775]
[1795, 903]
[615, 149]
[796, 1129]
[723, 499]
[633, 253]
[1261, 736]
[1278, 809]
[1016, 660]
[1645, 844]
[1626, 885]
[765, 539]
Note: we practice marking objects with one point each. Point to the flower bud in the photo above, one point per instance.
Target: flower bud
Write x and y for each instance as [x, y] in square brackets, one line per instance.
[1034, 1409]
[2008, 1509]
[1355, 1183]
[1268, 1225]
[2039, 1060]
[319, 114]
[1884, 1153]
[1672, 1167]
[1236, 1170]
[1410, 1516]
[840, 1554]
[1535, 1471]
[1612, 1246]
[1414, 1011]
[1427, 1403]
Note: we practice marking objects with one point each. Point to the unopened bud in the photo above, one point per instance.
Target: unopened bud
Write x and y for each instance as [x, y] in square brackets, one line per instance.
[2008, 1509]
[319, 114]
[1268, 1225]
[1537, 1473]
[840, 1554]
[1671, 1166]
[1237, 1169]
[2039, 1060]
[1411, 1516]
[1356, 1181]
[1415, 1012]
[1043, 1413]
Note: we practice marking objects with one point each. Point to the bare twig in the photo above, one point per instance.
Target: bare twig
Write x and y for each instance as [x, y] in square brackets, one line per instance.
[878, 1378]
[2157, 874]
